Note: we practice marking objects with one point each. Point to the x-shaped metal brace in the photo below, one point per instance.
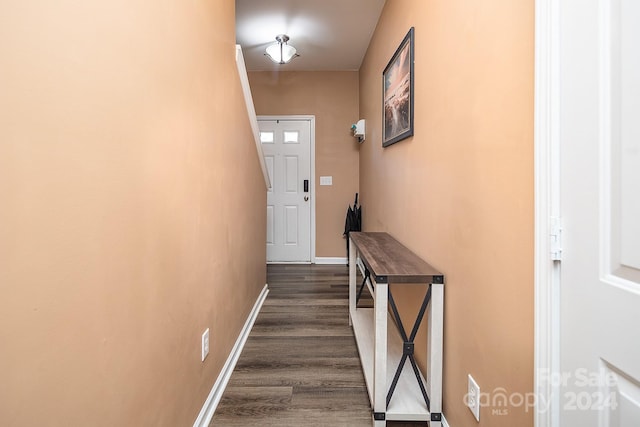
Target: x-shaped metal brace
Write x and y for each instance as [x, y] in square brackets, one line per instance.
[408, 346]
[364, 282]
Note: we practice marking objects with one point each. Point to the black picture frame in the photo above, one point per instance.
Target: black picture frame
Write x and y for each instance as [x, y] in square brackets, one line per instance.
[397, 93]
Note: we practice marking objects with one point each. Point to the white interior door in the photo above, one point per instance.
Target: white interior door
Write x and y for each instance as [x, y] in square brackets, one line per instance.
[287, 151]
[599, 350]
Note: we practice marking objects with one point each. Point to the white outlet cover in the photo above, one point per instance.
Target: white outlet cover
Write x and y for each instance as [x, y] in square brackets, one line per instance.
[205, 344]
[326, 180]
[473, 398]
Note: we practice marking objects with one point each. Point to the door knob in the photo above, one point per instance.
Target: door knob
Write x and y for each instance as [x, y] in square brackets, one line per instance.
[306, 198]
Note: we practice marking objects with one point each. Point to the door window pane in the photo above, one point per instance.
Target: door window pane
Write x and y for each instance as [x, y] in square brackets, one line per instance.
[291, 137]
[266, 137]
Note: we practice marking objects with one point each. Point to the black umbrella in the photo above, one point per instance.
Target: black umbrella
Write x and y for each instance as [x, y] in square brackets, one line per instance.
[353, 221]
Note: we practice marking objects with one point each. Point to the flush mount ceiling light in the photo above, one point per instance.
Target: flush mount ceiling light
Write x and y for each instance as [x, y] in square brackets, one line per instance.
[281, 52]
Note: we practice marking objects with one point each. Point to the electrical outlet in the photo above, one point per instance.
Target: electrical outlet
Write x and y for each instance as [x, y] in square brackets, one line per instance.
[473, 398]
[205, 344]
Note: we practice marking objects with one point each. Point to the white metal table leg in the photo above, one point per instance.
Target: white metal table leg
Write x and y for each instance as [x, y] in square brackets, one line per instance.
[352, 279]
[380, 351]
[434, 342]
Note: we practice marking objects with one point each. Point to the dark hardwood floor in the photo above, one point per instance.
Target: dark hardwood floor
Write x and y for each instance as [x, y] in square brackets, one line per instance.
[300, 364]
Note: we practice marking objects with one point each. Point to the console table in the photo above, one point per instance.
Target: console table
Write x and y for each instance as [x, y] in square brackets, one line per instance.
[397, 389]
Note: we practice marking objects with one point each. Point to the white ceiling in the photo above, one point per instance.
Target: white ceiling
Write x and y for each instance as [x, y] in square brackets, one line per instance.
[328, 34]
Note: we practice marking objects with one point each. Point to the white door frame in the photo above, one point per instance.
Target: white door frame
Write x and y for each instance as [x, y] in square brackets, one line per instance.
[547, 206]
[312, 189]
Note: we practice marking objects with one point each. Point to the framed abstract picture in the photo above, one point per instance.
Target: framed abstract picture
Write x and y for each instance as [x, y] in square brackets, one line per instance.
[397, 93]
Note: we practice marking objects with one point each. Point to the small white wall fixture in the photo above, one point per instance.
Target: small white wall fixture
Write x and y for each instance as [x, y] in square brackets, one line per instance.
[359, 130]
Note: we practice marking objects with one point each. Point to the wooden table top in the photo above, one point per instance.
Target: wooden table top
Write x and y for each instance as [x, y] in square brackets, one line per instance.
[389, 261]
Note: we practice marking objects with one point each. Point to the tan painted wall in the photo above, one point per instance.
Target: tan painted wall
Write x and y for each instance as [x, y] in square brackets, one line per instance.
[123, 232]
[460, 192]
[333, 98]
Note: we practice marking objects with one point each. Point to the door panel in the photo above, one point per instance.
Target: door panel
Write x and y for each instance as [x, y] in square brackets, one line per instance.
[286, 146]
[291, 225]
[624, 409]
[600, 205]
[292, 179]
[269, 162]
[621, 142]
[270, 225]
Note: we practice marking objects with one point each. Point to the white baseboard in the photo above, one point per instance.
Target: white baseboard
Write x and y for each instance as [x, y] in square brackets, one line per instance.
[444, 422]
[210, 405]
[331, 260]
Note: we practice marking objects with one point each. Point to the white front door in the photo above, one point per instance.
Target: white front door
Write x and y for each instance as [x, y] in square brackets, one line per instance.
[287, 151]
[599, 137]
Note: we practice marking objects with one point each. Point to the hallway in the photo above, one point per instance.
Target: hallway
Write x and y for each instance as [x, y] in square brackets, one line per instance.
[300, 365]
[134, 207]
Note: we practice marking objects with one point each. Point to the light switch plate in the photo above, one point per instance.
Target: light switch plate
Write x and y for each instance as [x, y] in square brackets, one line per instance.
[326, 180]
